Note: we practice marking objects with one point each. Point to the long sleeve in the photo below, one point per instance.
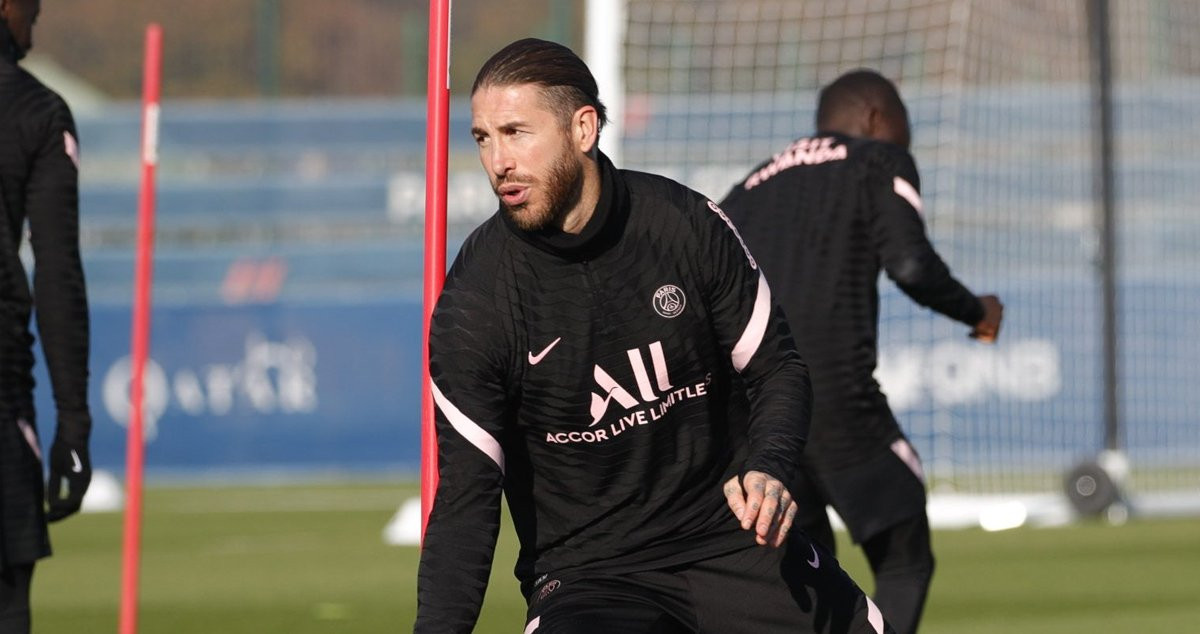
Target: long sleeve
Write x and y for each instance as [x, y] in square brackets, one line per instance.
[906, 254]
[750, 324]
[460, 539]
[60, 296]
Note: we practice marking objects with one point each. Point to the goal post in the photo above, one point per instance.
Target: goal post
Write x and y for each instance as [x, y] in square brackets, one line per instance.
[604, 36]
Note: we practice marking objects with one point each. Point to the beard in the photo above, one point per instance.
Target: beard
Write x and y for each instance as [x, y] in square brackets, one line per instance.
[562, 189]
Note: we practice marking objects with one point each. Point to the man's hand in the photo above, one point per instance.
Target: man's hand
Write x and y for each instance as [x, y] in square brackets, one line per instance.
[993, 313]
[70, 475]
[764, 505]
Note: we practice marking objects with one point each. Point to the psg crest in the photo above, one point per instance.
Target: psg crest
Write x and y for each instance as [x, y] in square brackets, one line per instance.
[669, 301]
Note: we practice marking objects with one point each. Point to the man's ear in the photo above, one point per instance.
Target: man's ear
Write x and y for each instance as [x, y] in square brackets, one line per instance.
[873, 122]
[585, 129]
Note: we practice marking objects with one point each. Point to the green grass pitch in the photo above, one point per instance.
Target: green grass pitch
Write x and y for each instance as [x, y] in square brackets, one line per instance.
[309, 559]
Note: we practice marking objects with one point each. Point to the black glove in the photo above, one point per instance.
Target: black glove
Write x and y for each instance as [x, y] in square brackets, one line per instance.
[70, 475]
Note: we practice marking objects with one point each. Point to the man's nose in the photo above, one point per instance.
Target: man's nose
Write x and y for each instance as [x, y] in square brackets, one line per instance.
[501, 160]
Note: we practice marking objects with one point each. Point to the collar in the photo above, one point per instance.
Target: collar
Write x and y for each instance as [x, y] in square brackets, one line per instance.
[833, 133]
[602, 230]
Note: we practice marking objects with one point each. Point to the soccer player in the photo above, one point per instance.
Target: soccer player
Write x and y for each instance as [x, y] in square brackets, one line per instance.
[582, 356]
[38, 183]
[823, 217]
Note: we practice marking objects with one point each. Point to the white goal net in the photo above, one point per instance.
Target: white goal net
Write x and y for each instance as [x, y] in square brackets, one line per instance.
[1001, 104]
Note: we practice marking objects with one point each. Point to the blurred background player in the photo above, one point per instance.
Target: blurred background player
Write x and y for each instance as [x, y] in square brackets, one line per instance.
[823, 217]
[39, 163]
[582, 357]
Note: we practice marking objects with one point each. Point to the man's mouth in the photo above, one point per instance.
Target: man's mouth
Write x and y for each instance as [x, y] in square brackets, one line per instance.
[513, 194]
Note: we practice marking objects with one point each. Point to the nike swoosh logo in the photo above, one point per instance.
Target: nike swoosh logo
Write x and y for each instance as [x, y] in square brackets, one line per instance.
[77, 467]
[815, 562]
[535, 359]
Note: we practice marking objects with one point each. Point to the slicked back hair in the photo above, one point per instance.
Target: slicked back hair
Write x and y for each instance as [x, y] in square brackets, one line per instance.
[858, 88]
[567, 83]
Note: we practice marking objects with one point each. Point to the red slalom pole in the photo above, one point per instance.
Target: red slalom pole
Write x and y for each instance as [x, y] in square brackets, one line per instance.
[141, 331]
[437, 127]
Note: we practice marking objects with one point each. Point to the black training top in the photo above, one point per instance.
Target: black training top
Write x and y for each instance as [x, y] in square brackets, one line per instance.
[823, 217]
[590, 377]
[39, 185]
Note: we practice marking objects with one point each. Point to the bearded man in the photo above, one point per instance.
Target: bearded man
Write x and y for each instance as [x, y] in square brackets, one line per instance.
[607, 354]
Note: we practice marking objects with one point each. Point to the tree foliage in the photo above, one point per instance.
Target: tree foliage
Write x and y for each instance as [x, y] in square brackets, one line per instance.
[290, 48]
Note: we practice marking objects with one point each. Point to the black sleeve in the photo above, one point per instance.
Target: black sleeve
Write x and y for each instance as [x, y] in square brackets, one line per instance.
[899, 237]
[751, 326]
[60, 298]
[468, 389]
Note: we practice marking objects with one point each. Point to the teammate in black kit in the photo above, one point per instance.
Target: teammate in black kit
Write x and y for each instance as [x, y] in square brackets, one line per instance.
[39, 184]
[582, 356]
[823, 217]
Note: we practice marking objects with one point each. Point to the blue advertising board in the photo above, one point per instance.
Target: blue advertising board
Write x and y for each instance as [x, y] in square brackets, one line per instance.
[259, 387]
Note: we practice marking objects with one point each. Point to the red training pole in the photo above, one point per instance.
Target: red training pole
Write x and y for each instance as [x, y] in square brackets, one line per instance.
[437, 126]
[134, 457]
